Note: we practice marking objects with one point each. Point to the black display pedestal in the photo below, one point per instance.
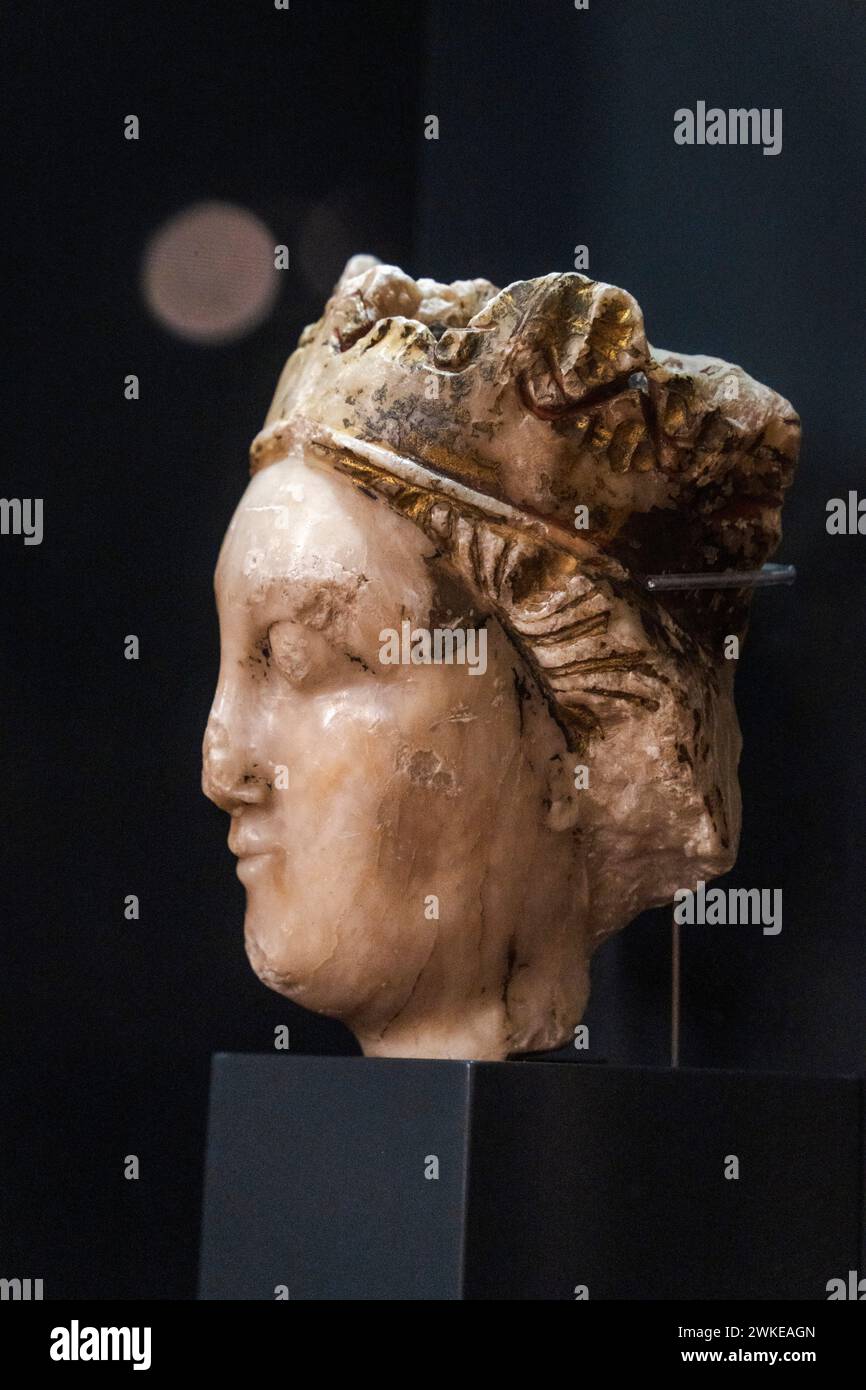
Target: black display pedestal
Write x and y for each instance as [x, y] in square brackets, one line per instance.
[552, 1177]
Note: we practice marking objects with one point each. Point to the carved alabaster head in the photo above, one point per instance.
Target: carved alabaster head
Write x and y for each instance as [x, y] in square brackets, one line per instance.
[433, 848]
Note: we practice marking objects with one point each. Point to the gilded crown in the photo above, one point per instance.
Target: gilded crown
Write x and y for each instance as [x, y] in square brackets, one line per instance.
[546, 396]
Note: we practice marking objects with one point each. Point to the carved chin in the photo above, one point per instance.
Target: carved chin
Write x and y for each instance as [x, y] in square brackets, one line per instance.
[270, 971]
[296, 975]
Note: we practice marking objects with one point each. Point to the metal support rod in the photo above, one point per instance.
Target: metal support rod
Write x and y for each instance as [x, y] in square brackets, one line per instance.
[768, 577]
[675, 992]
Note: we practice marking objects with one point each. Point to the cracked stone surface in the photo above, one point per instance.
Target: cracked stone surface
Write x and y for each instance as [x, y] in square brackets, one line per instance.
[417, 857]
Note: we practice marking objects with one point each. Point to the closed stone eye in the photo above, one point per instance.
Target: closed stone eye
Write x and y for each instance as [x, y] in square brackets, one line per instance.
[306, 657]
[298, 653]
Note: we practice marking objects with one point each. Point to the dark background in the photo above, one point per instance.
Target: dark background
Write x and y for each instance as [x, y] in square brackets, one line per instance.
[556, 129]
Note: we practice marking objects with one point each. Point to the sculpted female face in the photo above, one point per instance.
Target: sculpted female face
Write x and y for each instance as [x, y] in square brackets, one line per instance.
[432, 849]
[390, 820]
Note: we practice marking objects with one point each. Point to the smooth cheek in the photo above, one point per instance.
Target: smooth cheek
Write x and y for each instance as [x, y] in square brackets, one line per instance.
[381, 792]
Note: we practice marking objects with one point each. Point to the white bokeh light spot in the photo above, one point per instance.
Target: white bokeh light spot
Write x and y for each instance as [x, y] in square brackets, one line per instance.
[208, 273]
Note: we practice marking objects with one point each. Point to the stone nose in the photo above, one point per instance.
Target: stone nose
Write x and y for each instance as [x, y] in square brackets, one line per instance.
[229, 777]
